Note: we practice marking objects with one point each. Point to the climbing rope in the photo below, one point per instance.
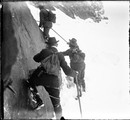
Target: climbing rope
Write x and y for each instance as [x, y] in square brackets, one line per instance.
[60, 36]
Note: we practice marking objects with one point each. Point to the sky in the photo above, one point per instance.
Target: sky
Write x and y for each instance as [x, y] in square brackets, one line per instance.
[107, 61]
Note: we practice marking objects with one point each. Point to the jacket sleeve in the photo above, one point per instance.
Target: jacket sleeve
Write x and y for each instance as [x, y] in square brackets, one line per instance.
[66, 53]
[63, 64]
[38, 57]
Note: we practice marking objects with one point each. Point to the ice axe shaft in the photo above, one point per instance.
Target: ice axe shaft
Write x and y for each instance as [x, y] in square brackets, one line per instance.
[78, 95]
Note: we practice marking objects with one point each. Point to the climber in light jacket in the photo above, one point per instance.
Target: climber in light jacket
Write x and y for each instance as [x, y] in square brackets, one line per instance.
[77, 63]
[51, 82]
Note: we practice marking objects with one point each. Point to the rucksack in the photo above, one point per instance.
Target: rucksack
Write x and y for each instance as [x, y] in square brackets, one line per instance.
[51, 64]
[51, 17]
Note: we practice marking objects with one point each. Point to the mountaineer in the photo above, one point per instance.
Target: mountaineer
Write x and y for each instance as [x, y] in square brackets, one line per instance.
[46, 20]
[51, 81]
[77, 63]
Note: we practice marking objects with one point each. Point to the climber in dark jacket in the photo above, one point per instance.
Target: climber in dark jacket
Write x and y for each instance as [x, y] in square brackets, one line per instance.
[46, 21]
[77, 63]
[51, 82]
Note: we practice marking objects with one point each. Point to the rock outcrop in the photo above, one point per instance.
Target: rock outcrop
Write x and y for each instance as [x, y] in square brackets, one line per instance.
[22, 39]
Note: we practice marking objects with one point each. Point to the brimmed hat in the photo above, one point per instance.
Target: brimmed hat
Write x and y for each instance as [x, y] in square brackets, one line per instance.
[73, 42]
[51, 41]
[40, 6]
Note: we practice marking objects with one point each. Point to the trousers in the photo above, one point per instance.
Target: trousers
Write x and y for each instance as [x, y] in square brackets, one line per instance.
[80, 78]
[55, 98]
[54, 93]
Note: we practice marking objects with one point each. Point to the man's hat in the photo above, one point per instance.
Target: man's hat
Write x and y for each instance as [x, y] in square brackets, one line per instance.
[41, 7]
[51, 41]
[73, 42]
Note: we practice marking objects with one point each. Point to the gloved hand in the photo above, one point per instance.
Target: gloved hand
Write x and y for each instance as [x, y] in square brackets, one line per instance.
[74, 50]
[69, 78]
[70, 81]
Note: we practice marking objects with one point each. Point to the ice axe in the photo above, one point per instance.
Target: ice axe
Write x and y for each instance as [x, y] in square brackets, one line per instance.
[78, 94]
